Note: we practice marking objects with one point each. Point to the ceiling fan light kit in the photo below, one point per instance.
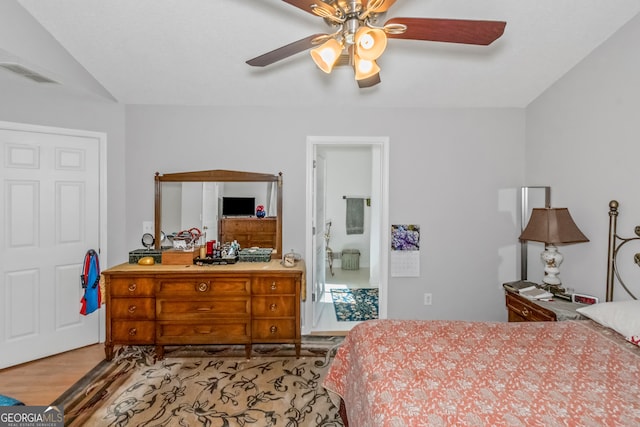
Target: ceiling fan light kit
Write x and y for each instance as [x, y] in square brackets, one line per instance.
[358, 37]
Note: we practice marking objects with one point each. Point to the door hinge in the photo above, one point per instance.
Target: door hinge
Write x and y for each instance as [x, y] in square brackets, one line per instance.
[314, 164]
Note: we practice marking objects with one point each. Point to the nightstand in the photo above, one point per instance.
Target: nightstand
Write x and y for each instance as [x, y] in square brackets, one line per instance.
[521, 309]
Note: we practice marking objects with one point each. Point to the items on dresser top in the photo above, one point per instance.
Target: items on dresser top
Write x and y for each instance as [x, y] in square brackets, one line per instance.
[534, 292]
[243, 303]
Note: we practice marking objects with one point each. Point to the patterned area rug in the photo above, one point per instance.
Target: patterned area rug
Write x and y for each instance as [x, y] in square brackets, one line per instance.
[355, 304]
[191, 386]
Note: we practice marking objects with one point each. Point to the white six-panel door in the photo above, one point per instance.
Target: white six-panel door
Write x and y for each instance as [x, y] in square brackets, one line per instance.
[50, 184]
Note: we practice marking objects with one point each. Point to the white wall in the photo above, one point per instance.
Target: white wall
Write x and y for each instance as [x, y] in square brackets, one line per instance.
[28, 102]
[455, 172]
[583, 139]
[83, 104]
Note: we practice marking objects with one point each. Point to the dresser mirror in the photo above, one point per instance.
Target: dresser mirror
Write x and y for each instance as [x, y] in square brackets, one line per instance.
[205, 199]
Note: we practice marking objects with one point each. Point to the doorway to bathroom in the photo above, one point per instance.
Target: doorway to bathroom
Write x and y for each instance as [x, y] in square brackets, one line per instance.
[347, 232]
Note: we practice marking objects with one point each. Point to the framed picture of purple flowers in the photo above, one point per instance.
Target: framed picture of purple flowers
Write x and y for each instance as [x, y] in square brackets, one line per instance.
[405, 237]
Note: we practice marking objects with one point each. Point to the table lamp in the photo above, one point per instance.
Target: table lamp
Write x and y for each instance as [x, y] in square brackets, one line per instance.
[552, 226]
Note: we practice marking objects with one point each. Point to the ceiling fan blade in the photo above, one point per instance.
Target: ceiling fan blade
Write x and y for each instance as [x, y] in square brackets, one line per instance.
[287, 50]
[308, 5]
[448, 30]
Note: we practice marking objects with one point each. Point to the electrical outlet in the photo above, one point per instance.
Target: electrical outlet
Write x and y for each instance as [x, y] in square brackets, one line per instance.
[147, 227]
[427, 299]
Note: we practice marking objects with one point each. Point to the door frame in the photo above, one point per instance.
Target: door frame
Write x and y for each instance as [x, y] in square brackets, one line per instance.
[102, 197]
[382, 143]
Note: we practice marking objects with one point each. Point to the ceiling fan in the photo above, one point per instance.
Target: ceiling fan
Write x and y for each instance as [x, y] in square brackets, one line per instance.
[358, 39]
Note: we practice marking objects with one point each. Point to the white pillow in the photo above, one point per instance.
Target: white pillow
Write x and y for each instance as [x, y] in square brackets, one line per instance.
[621, 316]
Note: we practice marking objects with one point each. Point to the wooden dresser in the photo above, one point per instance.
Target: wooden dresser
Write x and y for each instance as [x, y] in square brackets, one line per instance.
[249, 232]
[244, 303]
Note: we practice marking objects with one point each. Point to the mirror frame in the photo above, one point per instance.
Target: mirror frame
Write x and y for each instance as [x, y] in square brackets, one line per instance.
[219, 175]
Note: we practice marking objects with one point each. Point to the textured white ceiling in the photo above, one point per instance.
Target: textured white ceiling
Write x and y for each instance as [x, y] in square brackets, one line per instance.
[193, 52]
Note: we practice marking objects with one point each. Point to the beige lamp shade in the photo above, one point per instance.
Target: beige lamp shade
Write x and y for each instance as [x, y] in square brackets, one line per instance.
[326, 55]
[552, 226]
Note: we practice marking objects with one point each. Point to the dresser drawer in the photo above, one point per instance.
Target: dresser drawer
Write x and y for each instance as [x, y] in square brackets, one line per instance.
[273, 306]
[274, 285]
[180, 308]
[131, 286]
[202, 286]
[198, 332]
[522, 310]
[133, 308]
[133, 331]
[273, 329]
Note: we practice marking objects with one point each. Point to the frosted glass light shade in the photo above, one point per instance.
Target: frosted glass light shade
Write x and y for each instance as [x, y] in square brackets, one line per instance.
[365, 68]
[326, 55]
[370, 43]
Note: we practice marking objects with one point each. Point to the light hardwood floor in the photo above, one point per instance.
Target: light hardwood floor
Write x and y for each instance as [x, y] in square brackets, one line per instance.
[42, 381]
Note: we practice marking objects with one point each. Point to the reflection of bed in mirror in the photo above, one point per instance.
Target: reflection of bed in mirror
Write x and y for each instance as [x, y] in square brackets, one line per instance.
[195, 199]
[575, 372]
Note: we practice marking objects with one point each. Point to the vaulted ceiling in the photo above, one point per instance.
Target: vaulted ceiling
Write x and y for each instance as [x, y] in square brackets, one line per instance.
[193, 52]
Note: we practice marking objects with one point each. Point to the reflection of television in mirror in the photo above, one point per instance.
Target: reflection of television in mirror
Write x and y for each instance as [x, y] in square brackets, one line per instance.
[238, 206]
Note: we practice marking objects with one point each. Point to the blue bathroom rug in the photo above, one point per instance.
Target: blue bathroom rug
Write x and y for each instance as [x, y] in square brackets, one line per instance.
[355, 305]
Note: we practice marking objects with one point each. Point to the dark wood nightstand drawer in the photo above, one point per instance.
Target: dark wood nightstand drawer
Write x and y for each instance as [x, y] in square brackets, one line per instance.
[521, 309]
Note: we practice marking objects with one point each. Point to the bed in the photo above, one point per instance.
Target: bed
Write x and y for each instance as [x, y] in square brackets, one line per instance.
[457, 373]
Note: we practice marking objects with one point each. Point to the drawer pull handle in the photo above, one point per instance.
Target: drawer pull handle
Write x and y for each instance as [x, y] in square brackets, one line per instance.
[525, 312]
[133, 332]
[204, 308]
[203, 287]
[273, 307]
[132, 287]
[274, 286]
[273, 329]
[204, 331]
[132, 308]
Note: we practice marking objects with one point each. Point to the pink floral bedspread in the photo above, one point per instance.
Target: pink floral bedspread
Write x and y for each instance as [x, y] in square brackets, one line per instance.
[401, 373]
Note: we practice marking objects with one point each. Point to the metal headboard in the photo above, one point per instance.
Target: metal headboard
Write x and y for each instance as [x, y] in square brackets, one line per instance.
[615, 244]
